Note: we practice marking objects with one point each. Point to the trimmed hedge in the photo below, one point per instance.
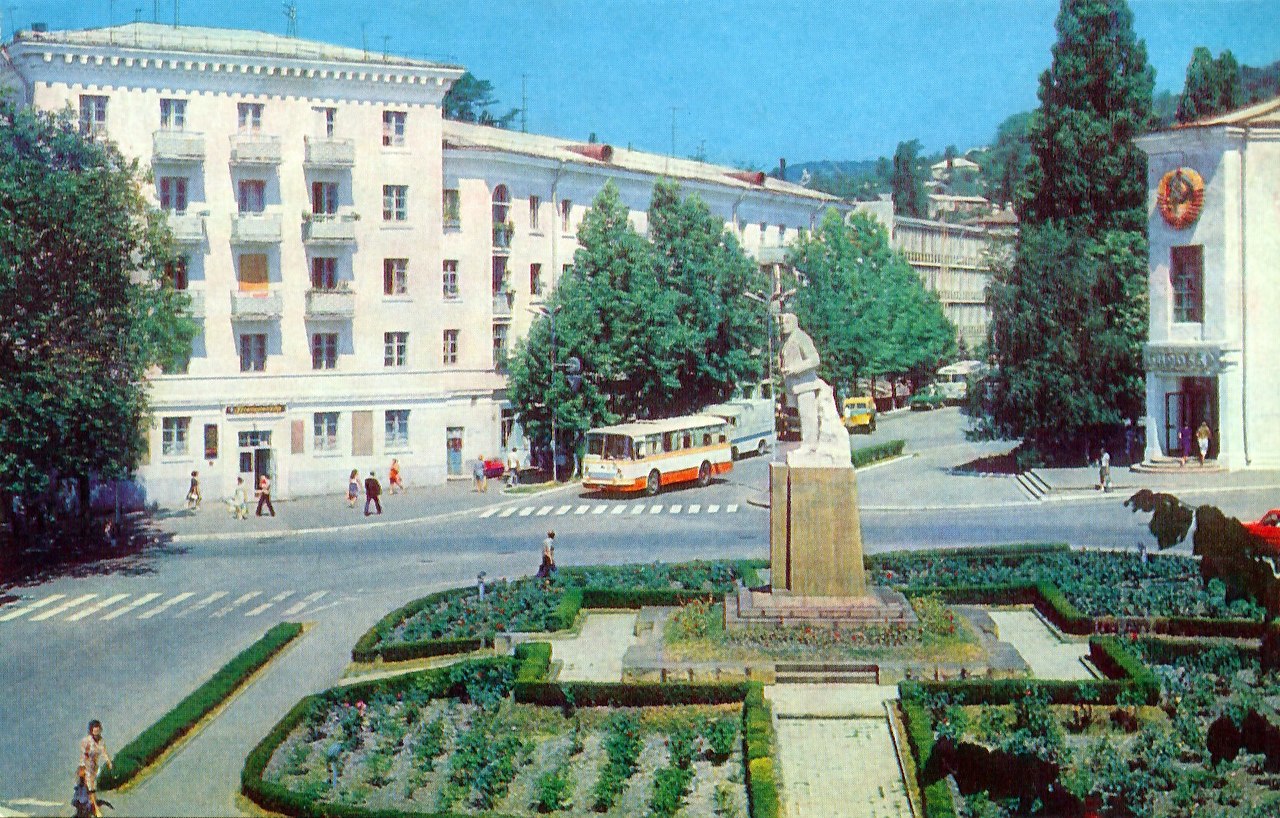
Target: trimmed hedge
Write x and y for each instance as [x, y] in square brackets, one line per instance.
[566, 613]
[369, 646]
[618, 694]
[533, 661]
[987, 553]
[758, 741]
[933, 788]
[134, 757]
[640, 597]
[880, 451]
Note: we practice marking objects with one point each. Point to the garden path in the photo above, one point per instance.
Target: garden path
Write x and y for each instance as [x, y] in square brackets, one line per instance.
[809, 725]
[1048, 655]
[595, 653]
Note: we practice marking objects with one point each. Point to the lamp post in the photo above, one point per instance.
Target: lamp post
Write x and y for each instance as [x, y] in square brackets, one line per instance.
[550, 313]
[773, 304]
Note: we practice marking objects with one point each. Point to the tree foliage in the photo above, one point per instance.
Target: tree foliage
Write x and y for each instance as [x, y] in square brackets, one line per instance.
[660, 324]
[82, 317]
[1212, 87]
[471, 99]
[907, 181]
[865, 307]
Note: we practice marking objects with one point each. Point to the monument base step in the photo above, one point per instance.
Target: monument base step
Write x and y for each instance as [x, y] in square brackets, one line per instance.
[882, 606]
[827, 678]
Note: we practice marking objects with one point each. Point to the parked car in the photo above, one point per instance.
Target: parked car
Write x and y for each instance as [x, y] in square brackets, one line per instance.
[931, 397]
[860, 414]
[494, 468]
[1267, 529]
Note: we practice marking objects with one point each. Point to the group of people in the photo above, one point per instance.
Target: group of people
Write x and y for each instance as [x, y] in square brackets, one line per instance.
[238, 504]
[373, 488]
[1201, 438]
[93, 754]
[479, 473]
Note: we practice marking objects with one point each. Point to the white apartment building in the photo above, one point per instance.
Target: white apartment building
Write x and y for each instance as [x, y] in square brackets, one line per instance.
[354, 262]
[1214, 287]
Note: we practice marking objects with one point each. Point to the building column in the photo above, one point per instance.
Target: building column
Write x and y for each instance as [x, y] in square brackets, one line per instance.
[1155, 418]
[1231, 419]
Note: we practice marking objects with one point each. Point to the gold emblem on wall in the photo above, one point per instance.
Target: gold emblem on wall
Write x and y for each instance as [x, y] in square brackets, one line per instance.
[1180, 196]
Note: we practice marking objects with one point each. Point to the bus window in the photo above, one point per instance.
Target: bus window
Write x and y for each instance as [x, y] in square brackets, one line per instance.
[706, 438]
[668, 442]
[640, 446]
[617, 447]
[686, 441]
[724, 438]
[595, 444]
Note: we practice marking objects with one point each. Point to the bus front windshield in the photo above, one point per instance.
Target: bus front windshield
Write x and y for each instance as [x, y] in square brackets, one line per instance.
[610, 447]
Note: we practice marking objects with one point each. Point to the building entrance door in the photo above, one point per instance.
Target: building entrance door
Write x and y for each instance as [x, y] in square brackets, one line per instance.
[1195, 402]
[453, 445]
[256, 457]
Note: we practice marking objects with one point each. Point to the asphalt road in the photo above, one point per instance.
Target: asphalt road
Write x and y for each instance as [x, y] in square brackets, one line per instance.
[158, 625]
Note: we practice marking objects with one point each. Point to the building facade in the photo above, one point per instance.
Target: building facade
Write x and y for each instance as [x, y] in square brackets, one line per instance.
[1214, 204]
[357, 266]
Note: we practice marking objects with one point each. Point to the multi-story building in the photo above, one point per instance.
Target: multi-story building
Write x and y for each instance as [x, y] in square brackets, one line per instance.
[1214, 203]
[357, 266]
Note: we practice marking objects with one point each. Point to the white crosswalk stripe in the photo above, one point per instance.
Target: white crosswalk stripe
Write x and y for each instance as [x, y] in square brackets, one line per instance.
[507, 512]
[280, 597]
[526, 511]
[307, 600]
[166, 605]
[488, 513]
[563, 510]
[34, 606]
[676, 509]
[638, 510]
[695, 508]
[137, 603]
[63, 608]
[593, 509]
[204, 603]
[601, 509]
[582, 509]
[544, 511]
[617, 510]
[226, 609]
[732, 508]
[656, 510]
[95, 607]
[712, 509]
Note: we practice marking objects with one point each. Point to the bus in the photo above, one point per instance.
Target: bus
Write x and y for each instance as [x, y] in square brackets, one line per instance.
[752, 426]
[953, 380]
[646, 455]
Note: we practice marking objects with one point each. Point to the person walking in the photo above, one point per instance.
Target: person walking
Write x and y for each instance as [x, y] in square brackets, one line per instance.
[1184, 442]
[393, 478]
[193, 493]
[548, 565]
[372, 494]
[1104, 470]
[93, 752]
[477, 473]
[240, 500]
[353, 488]
[1202, 440]
[513, 468]
[264, 495]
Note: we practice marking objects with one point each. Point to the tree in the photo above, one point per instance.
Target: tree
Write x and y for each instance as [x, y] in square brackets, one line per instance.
[906, 182]
[83, 316]
[1212, 86]
[1095, 98]
[470, 99]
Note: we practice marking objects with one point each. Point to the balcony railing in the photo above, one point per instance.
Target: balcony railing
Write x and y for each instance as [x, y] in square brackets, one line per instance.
[329, 228]
[502, 303]
[255, 228]
[195, 305]
[177, 146]
[188, 228]
[255, 149]
[336, 303]
[326, 152]
[258, 305]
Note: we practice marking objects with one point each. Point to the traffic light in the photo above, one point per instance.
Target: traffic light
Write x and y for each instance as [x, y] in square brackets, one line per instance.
[573, 369]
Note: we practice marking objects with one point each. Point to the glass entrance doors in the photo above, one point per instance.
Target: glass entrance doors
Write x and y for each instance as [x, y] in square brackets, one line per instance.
[1195, 402]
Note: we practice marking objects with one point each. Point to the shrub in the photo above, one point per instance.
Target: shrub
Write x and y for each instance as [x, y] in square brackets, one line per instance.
[670, 785]
[720, 736]
[554, 790]
[622, 746]
[867, 455]
[762, 788]
[533, 661]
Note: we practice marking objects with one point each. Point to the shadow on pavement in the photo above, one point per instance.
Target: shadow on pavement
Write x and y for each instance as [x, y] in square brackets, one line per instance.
[75, 548]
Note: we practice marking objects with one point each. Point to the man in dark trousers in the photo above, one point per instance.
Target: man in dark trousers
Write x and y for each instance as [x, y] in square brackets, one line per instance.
[372, 494]
[264, 495]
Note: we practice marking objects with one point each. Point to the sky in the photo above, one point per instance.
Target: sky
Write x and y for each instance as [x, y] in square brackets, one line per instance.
[743, 81]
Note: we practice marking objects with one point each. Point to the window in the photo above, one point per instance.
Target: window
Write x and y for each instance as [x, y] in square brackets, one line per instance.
[173, 194]
[253, 352]
[449, 279]
[175, 272]
[395, 276]
[93, 115]
[508, 426]
[173, 114]
[325, 119]
[566, 209]
[324, 273]
[535, 279]
[450, 353]
[252, 274]
[535, 204]
[1186, 274]
[211, 441]
[393, 128]
[325, 432]
[395, 206]
[324, 350]
[501, 283]
[395, 349]
[249, 117]
[252, 195]
[500, 346]
[174, 433]
[452, 208]
[324, 198]
[397, 428]
[782, 234]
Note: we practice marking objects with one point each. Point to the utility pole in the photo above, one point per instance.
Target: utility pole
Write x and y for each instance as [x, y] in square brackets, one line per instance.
[175, 12]
[364, 40]
[524, 103]
[386, 38]
[291, 16]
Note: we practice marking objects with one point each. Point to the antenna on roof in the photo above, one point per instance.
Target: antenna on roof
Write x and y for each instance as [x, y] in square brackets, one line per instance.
[175, 13]
[155, 11]
[386, 38]
[291, 15]
[524, 104]
[364, 39]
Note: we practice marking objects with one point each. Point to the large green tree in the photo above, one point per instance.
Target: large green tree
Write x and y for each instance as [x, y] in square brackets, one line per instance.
[1212, 86]
[82, 315]
[471, 99]
[907, 181]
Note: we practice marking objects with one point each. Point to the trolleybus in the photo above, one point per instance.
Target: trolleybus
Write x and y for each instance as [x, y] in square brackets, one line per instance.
[646, 455]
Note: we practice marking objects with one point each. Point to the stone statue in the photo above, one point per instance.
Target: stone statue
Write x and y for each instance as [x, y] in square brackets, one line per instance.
[823, 439]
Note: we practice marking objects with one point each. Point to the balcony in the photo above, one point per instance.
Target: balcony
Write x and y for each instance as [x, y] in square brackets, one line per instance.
[326, 152]
[502, 234]
[195, 306]
[178, 147]
[336, 303]
[259, 305]
[255, 149]
[502, 303]
[188, 228]
[772, 254]
[329, 228]
[255, 228]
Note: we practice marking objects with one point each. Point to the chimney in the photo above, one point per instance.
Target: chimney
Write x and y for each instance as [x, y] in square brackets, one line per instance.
[782, 168]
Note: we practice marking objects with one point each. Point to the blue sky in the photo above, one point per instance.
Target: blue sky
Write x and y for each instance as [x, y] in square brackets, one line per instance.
[750, 80]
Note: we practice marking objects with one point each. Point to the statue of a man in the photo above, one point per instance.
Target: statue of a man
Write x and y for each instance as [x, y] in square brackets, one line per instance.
[823, 439]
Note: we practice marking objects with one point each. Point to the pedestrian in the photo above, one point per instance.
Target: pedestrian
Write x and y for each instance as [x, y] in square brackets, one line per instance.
[372, 494]
[548, 565]
[93, 752]
[80, 795]
[1202, 440]
[1184, 442]
[193, 493]
[353, 488]
[240, 500]
[513, 468]
[393, 478]
[264, 495]
[1104, 470]
[477, 473]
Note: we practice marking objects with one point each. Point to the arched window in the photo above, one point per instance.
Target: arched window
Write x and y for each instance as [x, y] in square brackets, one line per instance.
[501, 204]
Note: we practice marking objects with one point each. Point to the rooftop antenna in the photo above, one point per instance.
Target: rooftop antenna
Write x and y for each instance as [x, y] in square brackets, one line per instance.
[364, 39]
[291, 14]
[386, 38]
[524, 104]
[155, 11]
[175, 13]
[137, 15]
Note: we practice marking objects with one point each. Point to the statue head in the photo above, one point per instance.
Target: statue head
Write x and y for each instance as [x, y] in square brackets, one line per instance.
[787, 323]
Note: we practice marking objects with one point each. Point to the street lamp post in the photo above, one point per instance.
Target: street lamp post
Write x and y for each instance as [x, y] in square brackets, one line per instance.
[550, 313]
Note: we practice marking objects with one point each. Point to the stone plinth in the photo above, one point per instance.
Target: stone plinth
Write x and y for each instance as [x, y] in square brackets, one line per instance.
[815, 537]
[879, 606]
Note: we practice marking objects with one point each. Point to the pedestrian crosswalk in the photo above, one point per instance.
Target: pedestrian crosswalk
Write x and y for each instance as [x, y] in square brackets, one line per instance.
[611, 509]
[107, 607]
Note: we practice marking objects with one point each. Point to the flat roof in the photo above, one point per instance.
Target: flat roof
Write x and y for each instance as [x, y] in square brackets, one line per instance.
[654, 427]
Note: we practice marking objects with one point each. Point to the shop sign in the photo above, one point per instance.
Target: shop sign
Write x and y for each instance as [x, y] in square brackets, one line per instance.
[256, 409]
[1197, 360]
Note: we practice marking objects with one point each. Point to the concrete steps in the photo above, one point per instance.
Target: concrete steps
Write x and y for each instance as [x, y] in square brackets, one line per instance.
[1032, 485]
[826, 673]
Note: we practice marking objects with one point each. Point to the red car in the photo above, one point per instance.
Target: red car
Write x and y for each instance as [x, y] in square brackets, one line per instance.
[1268, 528]
[494, 468]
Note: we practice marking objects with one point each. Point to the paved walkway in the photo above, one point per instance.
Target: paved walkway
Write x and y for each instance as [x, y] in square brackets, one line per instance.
[595, 654]
[1048, 656]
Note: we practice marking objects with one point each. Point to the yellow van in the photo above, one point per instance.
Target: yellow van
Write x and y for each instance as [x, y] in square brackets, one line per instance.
[860, 413]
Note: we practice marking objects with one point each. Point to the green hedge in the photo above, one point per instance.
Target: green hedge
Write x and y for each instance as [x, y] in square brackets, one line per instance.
[533, 661]
[933, 789]
[1015, 552]
[880, 451]
[640, 597]
[172, 726]
[758, 742]
[369, 646]
[619, 694]
[566, 613]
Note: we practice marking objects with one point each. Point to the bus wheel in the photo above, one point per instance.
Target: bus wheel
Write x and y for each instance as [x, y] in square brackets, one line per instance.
[762, 449]
[704, 473]
[654, 484]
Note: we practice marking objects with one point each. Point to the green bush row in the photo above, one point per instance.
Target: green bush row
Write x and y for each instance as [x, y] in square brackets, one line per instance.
[933, 791]
[172, 726]
[533, 661]
[758, 742]
[880, 451]
[369, 646]
[633, 598]
[986, 553]
[619, 694]
[566, 612]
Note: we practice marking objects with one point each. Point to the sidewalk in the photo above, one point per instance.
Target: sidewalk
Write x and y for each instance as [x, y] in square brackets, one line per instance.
[309, 515]
[1083, 480]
